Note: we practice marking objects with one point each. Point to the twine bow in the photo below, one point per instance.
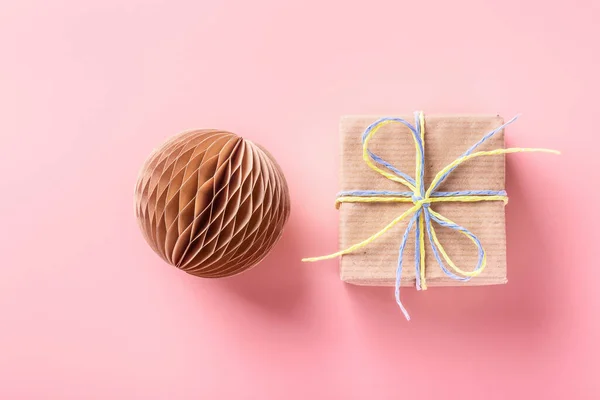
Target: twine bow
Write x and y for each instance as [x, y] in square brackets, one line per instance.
[421, 213]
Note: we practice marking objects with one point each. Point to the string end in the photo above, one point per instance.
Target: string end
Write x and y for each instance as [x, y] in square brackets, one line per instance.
[406, 314]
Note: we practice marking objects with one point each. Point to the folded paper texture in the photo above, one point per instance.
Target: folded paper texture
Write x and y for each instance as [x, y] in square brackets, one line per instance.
[211, 203]
[446, 138]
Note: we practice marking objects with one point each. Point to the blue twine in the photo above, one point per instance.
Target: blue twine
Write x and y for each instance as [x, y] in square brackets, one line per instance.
[475, 146]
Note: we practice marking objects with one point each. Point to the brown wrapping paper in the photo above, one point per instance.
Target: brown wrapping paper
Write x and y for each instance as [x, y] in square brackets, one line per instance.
[446, 138]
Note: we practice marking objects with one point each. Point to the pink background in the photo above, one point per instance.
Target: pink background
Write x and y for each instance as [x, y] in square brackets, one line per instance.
[88, 88]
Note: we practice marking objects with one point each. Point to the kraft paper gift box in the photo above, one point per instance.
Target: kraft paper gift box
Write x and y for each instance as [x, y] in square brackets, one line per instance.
[446, 138]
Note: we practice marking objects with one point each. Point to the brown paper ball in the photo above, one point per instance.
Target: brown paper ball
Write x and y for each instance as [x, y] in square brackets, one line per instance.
[211, 203]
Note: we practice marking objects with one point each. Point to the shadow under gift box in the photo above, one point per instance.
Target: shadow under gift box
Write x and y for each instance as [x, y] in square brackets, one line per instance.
[446, 138]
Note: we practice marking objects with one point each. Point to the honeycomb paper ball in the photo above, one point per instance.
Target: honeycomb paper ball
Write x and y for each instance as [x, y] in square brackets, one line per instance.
[211, 203]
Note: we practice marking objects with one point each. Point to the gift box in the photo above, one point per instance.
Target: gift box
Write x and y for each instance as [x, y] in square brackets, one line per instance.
[445, 139]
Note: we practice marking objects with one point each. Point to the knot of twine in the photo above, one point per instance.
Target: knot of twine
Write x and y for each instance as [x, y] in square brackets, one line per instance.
[422, 214]
[419, 201]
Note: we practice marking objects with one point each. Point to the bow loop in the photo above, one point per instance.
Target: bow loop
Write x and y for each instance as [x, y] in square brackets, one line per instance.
[415, 185]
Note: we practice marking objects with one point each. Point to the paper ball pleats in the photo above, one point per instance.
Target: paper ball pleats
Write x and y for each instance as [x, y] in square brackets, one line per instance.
[211, 203]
